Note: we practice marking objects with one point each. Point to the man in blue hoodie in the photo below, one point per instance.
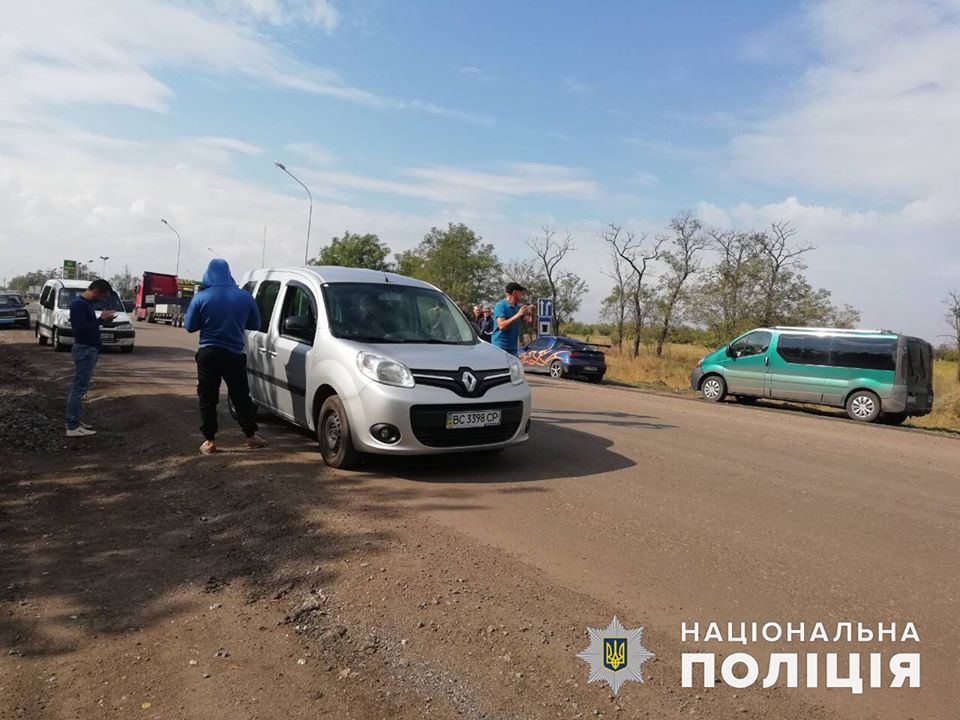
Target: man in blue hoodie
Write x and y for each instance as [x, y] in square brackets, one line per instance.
[222, 312]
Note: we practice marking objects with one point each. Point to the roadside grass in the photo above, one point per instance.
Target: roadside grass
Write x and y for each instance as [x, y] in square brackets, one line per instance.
[671, 371]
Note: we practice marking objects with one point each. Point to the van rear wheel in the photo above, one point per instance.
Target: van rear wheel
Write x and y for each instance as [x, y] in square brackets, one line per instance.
[713, 388]
[334, 436]
[863, 406]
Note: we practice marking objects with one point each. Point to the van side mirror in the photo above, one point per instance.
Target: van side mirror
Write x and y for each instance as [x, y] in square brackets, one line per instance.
[730, 352]
[301, 327]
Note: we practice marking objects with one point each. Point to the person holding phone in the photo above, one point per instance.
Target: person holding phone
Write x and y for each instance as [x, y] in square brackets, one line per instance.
[86, 349]
[508, 317]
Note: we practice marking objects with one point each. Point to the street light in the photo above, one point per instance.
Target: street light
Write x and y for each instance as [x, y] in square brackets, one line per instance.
[179, 243]
[104, 258]
[306, 250]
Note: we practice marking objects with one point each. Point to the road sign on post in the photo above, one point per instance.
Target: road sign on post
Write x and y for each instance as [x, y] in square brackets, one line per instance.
[545, 316]
[69, 270]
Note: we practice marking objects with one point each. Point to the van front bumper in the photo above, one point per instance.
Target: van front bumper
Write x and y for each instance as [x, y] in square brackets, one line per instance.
[696, 375]
[419, 414]
[108, 337]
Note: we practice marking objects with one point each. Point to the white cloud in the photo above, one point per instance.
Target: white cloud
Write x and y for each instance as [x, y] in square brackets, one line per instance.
[230, 144]
[281, 12]
[575, 86]
[477, 73]
[101, 52]
[461, 188]
[878, 115]
[313, 153]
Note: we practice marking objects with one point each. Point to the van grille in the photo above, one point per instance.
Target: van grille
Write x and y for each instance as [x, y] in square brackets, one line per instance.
[453, 380]
[429, 423]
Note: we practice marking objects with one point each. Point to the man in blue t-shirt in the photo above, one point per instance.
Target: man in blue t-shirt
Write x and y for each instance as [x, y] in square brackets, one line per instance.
[508, 316]
[86, 349]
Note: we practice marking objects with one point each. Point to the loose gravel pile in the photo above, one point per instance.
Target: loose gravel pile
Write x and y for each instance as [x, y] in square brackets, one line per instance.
[27, 421]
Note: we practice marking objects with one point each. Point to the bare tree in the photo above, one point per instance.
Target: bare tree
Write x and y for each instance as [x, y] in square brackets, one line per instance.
[630, 248]
[683, 260]
[551, 252]
[616, 303]
[779, 257]
[952, 317]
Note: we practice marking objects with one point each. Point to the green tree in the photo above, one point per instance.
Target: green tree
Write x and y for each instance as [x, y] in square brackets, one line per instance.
[457, 261]
[353, 250]
[21, 283]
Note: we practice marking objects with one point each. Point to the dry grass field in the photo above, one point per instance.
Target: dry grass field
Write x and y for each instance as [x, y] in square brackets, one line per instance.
[672, 372]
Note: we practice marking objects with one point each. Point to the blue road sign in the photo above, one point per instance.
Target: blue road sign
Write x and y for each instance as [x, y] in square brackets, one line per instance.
[545, 306]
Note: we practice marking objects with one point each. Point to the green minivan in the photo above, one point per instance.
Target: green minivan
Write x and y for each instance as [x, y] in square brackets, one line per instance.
[874, 374]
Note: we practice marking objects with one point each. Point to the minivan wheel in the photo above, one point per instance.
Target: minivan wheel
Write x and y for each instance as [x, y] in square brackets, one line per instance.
[333, 434]
[556, 369]
[863, 406]
[41, 338]
[57, 343]
[713, 388]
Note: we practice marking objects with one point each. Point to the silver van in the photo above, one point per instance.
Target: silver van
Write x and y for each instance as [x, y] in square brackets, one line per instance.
[375, 362]
[53, 317]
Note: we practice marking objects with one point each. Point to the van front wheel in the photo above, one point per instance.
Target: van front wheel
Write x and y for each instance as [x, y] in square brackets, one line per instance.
[333, 434]
[58, 343]
[41, 338]
[863, 406]
[713, 388]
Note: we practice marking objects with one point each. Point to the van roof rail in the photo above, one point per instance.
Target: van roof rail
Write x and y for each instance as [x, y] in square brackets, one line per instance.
[833, 330]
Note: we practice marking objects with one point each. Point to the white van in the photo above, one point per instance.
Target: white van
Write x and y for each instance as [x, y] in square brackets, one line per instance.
[53, 318]
[374, 362]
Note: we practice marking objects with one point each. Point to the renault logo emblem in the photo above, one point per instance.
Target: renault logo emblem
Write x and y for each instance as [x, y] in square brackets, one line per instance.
[469, 380]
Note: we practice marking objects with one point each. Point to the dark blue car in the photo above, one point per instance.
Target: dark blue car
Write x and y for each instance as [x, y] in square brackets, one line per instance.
[564, 357]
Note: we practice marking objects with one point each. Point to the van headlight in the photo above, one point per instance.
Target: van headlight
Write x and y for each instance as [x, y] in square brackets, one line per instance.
[516, 372]
[384, 369]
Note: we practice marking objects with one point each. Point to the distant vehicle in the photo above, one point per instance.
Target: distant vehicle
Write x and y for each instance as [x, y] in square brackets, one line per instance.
[158, 298]
[53, 320]
[564, 357]
[874, 374]
[375, 362]
[13, 311]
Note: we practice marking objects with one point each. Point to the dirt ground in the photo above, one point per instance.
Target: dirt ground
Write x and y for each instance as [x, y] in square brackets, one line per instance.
[139, 579]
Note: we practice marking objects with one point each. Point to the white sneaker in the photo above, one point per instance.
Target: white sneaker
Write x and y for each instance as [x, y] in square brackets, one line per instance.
[85, 426]
[81, 431]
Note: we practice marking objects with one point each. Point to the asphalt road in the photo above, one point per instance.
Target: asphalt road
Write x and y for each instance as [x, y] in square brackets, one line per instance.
[673, 510]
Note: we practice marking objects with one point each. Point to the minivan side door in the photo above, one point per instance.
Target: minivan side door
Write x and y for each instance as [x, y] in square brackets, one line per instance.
[290, 341]
[258, 367]
[800, 369]
[745, 368]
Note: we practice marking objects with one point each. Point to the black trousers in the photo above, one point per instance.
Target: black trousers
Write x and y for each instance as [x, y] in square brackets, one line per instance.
[213, 365]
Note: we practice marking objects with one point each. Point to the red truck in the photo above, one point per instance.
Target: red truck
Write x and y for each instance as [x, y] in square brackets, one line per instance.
[158, 298]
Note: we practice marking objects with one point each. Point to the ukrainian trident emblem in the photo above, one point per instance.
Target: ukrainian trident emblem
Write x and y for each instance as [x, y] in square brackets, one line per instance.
[615, 654]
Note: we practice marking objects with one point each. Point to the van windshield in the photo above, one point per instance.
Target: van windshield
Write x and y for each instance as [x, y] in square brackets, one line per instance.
[393, 313]
[68, 295]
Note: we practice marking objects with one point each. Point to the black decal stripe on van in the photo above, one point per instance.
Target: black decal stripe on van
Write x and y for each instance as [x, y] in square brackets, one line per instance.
[283, 384]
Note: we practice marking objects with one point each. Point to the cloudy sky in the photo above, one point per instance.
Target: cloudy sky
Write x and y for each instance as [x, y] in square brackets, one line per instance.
[841, 118]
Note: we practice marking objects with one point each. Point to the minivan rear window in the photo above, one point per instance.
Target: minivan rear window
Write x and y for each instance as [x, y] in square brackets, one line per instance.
[864, 353]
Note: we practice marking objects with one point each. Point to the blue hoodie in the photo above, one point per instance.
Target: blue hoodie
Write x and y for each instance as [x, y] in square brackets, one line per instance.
[222, 311]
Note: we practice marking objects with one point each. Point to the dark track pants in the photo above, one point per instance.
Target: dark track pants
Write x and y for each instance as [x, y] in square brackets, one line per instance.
[213, 365]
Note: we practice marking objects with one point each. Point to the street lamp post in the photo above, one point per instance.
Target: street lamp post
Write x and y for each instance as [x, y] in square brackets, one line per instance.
[179, 243]
[104, 258]
[306, 250]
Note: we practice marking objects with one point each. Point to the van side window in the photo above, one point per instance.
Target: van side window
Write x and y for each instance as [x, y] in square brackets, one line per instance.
[865, 353]
[266, 299]
[45, 295]
[752, 343]
[249, 287]
[298, 303]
